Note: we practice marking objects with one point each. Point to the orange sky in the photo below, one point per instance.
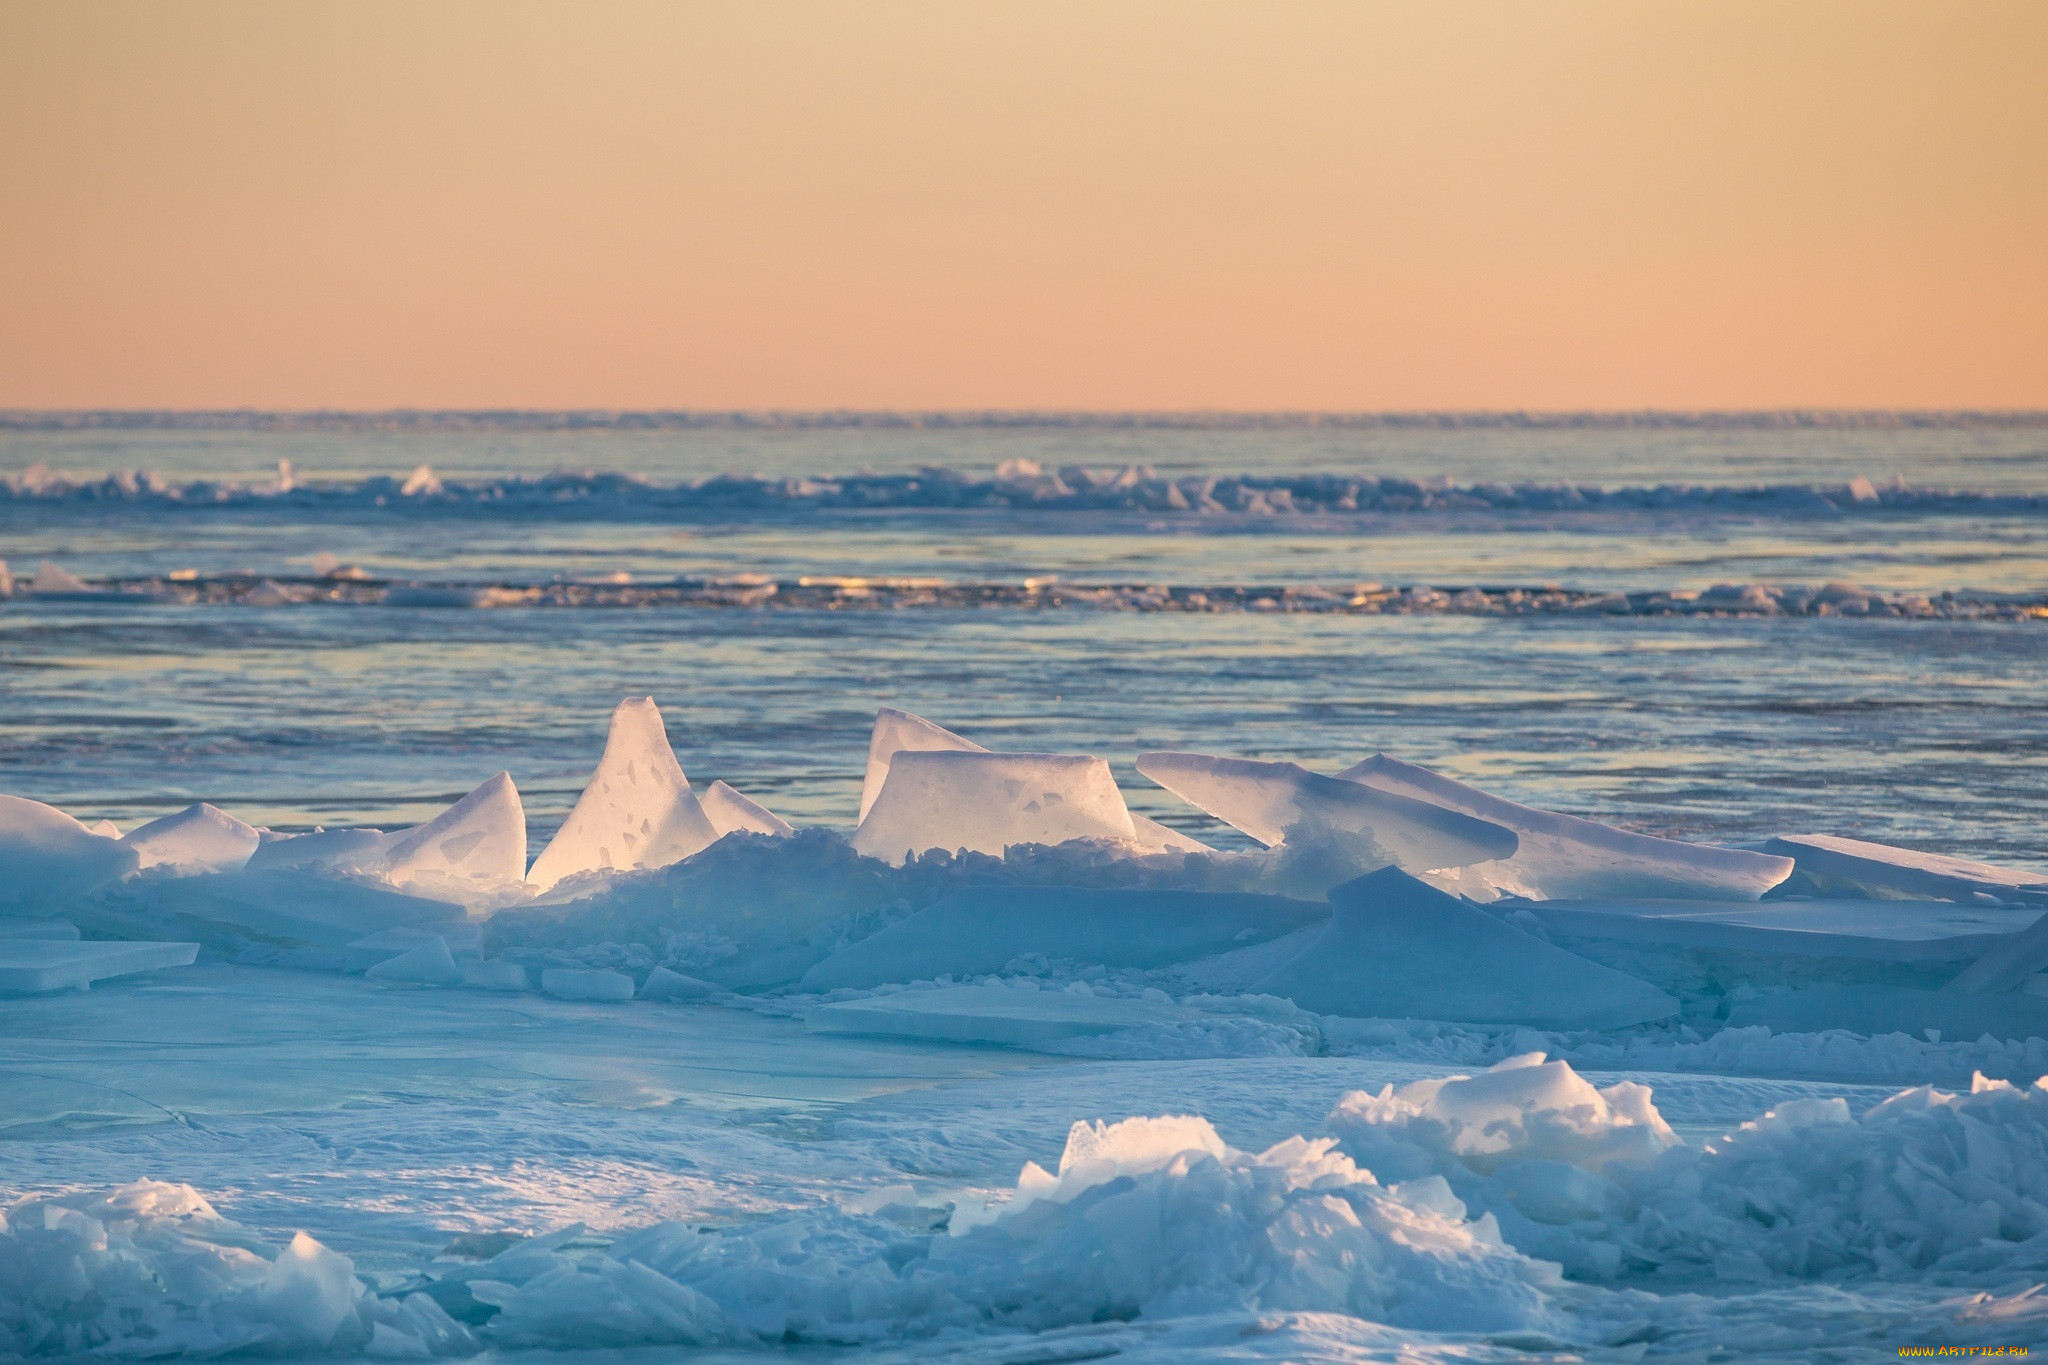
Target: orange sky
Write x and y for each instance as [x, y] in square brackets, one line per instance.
[1109, 204]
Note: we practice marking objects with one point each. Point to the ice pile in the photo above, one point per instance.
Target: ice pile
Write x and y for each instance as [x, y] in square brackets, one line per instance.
[150, 1269]
[1928, 1185]
[1151, 1217]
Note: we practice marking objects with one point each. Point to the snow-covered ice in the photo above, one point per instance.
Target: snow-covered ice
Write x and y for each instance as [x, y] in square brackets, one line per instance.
[1357, 828]
[1563, 856]
[985, 802]
[1399, 948]
[637, 811]
[199, 838]
[983, 929]
[47, 858]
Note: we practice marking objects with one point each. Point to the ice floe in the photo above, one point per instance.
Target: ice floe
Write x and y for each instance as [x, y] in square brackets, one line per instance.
[30, 966]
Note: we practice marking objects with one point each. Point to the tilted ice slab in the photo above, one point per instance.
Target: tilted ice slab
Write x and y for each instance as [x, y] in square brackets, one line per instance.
[31, 966]
[984, 802]
[1852, 866]
[898, 732]
[480, 838]
[637, 811]
[47, 858]
[293, 908]
[199, 838]
[1286, 803]
[1562, 856]
[1399, 948]
[1874, 931]
[981, 930]
[729, 811]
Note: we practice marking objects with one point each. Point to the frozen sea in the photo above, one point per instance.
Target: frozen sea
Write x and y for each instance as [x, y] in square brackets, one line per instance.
[1009, 579]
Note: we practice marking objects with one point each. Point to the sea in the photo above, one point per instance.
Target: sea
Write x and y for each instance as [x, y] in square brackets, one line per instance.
[351, 619]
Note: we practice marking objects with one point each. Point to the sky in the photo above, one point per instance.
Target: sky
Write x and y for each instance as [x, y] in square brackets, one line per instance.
[1536, 204]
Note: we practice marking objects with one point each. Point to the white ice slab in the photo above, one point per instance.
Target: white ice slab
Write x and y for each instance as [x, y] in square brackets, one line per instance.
[32, 966]
[637, 811]
[1561, 856]
[587, 983]
[728, 810]
[982, 929]
[898, 732]
[1399, 948]
[47, 858]
[331, 850]
[990, 1014]
[430, 964]
[1282, 802]
[298, 908]
[985, 802]
[199, 838]
[481, 838]
[1880, 870]
[1877, 931]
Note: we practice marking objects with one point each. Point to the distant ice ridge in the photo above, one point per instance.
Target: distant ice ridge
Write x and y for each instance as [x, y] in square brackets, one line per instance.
[1017, 484]
[1522, 1202]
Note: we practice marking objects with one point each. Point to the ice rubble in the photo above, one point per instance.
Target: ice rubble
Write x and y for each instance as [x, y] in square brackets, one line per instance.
[728, 810]
[47, 858]
[1853, 867]
[1399, 948]
[637, 811]
[982, 929]
[985, 802]
[1359, 827]
[151, 1269]
[199, 838]
[1562, 856]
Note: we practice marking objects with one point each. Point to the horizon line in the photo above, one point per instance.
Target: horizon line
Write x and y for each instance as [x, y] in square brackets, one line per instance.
[684, 419]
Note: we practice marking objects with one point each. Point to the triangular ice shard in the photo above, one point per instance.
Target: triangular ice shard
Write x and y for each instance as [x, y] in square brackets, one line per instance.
[1154, 837]
[1281, 802]
[46, 857]
[1562, 856]
[897, 732]
[638, 810]
[199, 838]
[728, 810]
[985, 802]
[53, 581]
[1399, 948]
[482, 838]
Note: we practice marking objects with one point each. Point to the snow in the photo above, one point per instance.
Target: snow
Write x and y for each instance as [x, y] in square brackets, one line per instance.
[1877, 931]
[985, 802]
[1398, 948]
[990, 1014]
[430, 964]
[1357, 828]
[637, 811]
[32, 966]
[585, 983]
[1563, 856]
[199, 838]
[47, 858]
[728, 810]
[982, 929]
[1854, 867]
[480, 841]
[293, 907]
